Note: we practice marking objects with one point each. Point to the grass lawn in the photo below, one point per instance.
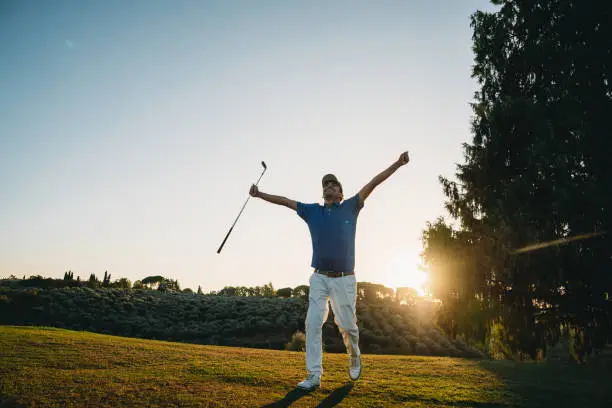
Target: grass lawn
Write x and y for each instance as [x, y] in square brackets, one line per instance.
[44, 367]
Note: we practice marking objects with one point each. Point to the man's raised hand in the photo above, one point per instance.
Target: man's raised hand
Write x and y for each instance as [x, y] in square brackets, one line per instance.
[403, 159]
[254, 191]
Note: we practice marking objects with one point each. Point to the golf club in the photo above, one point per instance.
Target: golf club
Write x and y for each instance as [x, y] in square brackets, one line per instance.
[245, 203]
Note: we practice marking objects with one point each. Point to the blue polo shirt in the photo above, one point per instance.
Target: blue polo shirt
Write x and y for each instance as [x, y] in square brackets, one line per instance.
[332, 231]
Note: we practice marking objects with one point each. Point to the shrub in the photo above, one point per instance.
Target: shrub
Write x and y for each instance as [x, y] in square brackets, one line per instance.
[436, 349]
[498, 346]
[421, 349]
[297, 343]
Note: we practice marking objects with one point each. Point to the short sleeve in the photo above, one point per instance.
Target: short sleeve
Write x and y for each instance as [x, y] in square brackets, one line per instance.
[304, 210]
[354, 203]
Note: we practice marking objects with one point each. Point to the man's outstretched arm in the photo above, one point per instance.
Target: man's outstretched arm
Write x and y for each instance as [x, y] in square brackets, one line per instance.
[274, 199]
[382, 176]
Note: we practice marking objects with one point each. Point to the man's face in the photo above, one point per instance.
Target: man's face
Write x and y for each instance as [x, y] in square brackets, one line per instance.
[332, 191]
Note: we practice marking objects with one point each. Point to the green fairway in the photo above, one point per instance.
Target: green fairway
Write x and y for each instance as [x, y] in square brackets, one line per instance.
[43, 367]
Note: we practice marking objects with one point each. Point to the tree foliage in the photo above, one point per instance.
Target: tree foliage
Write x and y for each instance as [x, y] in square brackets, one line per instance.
[537, 170]
[284, 292]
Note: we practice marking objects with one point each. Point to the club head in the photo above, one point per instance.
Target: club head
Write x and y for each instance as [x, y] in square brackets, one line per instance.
[264, 165]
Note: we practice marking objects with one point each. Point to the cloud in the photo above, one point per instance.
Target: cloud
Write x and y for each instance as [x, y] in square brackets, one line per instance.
[69, 44]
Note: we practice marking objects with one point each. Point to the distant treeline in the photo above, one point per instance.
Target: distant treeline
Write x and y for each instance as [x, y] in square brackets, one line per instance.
[259, 317]
[366, 291]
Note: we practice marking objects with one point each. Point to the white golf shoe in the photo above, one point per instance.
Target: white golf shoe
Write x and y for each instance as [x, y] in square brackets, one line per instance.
[354, 367]
[310, 383]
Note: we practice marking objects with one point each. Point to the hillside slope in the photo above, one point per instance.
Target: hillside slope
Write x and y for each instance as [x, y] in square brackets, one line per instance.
[386, 327]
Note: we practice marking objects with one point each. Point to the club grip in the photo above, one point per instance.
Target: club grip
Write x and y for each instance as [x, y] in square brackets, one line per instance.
[226, 237]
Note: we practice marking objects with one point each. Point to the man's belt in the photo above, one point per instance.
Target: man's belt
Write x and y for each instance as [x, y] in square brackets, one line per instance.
[332, 274]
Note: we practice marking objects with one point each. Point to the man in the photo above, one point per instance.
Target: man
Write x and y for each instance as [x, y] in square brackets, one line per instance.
[332, 230]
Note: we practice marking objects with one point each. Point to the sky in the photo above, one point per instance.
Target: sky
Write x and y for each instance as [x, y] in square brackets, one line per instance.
[130, 133]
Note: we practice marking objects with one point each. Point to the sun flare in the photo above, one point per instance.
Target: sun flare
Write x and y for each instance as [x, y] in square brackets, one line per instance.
[403, 271]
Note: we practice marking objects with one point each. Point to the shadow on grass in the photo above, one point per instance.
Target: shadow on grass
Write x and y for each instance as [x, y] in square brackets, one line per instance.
[472, 404]
[331, 400]
[6, 402]
[336, 396]
[543, 385]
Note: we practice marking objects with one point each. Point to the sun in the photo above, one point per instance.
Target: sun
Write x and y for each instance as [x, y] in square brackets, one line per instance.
[403, 271]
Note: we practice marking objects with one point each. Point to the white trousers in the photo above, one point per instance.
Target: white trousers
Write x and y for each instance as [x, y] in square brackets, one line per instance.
[342, 292]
